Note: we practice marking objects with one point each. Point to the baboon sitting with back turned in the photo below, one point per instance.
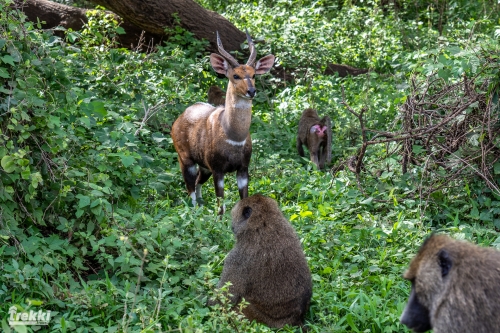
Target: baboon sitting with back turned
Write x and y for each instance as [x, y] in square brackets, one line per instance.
[267, 266]
[316, 134]
[455, 287]
[216, 96]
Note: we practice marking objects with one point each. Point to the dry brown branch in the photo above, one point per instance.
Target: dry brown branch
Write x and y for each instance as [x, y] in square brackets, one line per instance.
[450, 131]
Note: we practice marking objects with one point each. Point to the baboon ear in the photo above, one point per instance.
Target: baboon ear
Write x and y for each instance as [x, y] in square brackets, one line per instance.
[445, 262]
[247, 211]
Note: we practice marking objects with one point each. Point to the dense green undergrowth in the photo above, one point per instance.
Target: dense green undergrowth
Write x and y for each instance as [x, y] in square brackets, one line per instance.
[94, 220]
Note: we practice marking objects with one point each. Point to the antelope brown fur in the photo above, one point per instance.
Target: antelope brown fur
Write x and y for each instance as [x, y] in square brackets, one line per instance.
[316, 134]
[455, 288]
[217, 139]
[267, 266]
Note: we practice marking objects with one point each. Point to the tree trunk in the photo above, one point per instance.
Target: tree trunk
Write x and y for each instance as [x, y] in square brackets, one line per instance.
[155, 15]
[151, 16]
[55, 14]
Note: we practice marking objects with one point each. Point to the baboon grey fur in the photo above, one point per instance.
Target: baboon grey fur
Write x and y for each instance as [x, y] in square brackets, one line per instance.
[267, 266]
[455, 288]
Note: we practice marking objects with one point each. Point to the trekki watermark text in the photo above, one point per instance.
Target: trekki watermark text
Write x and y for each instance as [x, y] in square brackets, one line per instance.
[30, 317]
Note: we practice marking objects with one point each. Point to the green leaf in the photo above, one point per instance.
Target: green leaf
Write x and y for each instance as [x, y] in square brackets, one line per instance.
[79, 213]
[72, 36]
[54, 121]
[8, 60]
[474, 212]
[120, 30]
[20, 329]
[84, 200]
[135, 192]
[25, 174]
[5, 327]
[350, 321]
[417, 149]
[94, 203]
[98, 108]
[85, 121]
[127, 160]
[4, 73]
[48, 269]
[444, 74]
[8, 163]
[496, 168]
[90, 227]
[306, 213]
[367, 201]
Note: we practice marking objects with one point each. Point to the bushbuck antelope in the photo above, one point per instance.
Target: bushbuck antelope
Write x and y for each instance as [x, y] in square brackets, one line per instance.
[217, 139]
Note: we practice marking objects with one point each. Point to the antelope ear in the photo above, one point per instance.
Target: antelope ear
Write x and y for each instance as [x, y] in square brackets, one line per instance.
[219, 64]
[263, 65]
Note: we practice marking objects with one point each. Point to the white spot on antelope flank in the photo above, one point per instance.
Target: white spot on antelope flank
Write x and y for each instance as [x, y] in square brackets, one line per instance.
[236, 143]
[193, 170]
[220, 183]
[193, 198]
[198, 190]
[198, 111]
[242, 182]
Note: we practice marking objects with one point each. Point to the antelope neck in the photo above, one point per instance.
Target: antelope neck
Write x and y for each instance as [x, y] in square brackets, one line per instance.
[237, 116]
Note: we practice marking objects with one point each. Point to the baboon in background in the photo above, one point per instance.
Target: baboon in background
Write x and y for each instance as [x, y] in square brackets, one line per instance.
[316, 134]
[455, 287]
[216, 96]
[267, 266]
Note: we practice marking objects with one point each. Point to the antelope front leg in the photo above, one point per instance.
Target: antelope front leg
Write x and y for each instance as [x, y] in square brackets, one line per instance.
[189, 172]
[219, 191]
[242, 180]
[203, 175]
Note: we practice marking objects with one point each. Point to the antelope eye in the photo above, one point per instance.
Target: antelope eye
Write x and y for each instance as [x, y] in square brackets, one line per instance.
[253, 77]
[236, 77]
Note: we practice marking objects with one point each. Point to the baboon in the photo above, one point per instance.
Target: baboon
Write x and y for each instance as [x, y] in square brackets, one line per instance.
[216, 96]
[455, 287]
[267, 266]
[316, 134]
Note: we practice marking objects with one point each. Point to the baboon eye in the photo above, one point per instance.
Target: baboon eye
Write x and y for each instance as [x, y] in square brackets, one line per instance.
[247, 211]
[236, 77]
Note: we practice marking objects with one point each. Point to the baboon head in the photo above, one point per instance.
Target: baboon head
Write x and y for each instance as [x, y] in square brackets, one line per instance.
[253, 213]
